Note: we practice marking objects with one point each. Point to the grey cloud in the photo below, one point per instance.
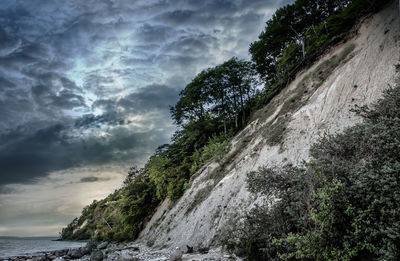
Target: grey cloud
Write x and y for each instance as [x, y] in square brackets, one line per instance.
[177, 17]
[7, 190]
[151, 97]
[197, 45]
[24, 158]
[92, 179]
[4, 83]
[148, 33]
[47, 93]
[88, 121]
[89, 179]
[7, 42]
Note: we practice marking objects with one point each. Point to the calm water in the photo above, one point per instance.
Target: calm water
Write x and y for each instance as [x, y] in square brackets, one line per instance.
[10, 246]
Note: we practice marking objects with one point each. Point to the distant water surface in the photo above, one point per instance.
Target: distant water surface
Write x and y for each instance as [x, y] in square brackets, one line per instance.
[16, 246]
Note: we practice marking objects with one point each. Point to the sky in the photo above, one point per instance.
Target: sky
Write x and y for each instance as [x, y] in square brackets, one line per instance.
[85, 90]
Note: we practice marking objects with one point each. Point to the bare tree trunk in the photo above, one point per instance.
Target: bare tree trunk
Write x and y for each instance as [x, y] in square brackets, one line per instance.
[236, 109]
[242, 105]
[301, 39]
[223, 110]
[224, 126]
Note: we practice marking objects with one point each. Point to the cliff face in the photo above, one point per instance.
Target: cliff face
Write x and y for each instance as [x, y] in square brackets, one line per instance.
[318, 101]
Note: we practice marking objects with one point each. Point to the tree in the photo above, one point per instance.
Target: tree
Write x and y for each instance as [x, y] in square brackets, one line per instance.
[289, 24]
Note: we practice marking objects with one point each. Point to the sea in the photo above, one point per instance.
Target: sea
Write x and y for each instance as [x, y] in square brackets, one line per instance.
[18, 246]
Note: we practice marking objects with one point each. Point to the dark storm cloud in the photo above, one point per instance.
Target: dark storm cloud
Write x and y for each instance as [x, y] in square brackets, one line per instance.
[89, 121]
[23, 158]
[149, 98]
[4, 83]
[178, 17]
[26, 156]
[92, 179]
[89, 179]
[154, 33]
[196, 45]
[65, 99]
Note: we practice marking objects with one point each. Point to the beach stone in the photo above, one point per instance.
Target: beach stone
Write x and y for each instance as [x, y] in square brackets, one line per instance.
[102, 245]
[85, 258]
[60, 253]
[39, 258]
[176, 255]
[85, 250]
[51, 257]
[124, 256]
[75, 253]
[96, 255]
[91, 245]
[58, 259]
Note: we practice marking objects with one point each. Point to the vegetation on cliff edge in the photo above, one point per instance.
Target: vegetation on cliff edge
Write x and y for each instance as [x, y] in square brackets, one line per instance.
[216, 105]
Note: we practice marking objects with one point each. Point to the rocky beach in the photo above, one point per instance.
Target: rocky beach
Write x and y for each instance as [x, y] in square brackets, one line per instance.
[113, 251]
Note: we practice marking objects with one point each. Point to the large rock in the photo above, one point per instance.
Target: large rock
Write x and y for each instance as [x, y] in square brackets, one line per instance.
[85, 258]
[176, 255]
[51, 256]
[102, 245]
[85, 250]
[90, 245]
[75, 253]
[60, 253]
[96, 255]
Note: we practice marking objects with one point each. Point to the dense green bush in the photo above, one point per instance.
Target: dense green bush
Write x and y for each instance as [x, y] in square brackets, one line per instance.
[264, 223]
[341, 206]
[216, 149]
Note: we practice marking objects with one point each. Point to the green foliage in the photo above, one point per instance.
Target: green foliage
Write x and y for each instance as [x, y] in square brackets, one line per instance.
[138, 203]
[216, 149]
[157, 168]
[312, 25]
[121, 215]
[218, 96]
[342, 206]
[263, 224]
[277, 49]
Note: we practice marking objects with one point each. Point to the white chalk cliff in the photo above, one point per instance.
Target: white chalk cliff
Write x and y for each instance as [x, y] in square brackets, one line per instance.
[199, 217]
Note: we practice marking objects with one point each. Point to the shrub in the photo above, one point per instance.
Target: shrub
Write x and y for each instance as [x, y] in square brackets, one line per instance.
[341, 206]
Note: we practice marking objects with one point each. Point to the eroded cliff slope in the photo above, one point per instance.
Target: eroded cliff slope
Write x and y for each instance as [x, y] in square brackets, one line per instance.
[354, 72]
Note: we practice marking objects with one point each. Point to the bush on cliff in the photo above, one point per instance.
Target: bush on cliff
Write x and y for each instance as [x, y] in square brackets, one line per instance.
[341, 206]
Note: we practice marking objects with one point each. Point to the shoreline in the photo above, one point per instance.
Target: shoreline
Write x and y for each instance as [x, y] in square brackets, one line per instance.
[120, 251]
